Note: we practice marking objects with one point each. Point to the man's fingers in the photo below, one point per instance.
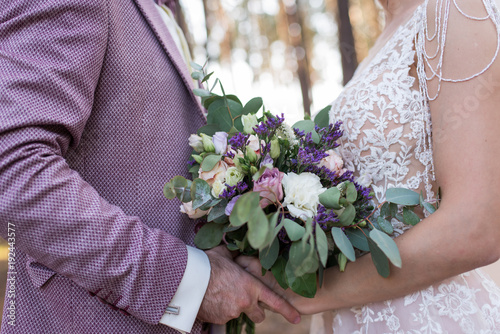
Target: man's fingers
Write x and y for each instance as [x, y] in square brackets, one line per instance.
[250, 264]
[278, 305]
[256, 314]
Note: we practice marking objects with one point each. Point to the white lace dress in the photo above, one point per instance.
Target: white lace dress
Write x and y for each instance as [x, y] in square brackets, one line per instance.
[387, 138]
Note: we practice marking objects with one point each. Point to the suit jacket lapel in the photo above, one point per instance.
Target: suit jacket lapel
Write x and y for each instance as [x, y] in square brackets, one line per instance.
[153, 18]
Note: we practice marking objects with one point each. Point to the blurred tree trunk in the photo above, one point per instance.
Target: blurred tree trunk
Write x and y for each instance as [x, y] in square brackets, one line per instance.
[346, 41]
[298, 39]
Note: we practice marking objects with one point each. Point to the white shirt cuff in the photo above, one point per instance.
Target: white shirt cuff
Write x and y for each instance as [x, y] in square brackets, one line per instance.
[184, 306]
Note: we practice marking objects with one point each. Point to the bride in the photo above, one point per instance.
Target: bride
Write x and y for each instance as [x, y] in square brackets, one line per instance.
[435, 60]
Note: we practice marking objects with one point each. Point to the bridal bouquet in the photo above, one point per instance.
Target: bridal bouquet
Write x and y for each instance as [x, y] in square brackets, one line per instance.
[280, 192]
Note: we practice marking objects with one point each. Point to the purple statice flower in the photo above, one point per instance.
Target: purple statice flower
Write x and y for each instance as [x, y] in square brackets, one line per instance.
[229, 154]
[310, 155]
[267, 128]
[241, 187]
[230, 205]
[325, 218]
[191, 162]
[239, 141]
[229, 192]
[329, 135]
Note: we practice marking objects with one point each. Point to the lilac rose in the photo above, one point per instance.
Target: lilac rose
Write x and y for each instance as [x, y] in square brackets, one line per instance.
[269, 186]
[230, 205]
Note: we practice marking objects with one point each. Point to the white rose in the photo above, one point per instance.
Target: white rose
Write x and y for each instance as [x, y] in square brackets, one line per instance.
[333, 161]
[217, 188]
[187, 208]
[302, 194]
[233, 176]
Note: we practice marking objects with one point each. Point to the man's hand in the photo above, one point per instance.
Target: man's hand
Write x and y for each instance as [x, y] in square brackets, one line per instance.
[252, 265]
[232, 291]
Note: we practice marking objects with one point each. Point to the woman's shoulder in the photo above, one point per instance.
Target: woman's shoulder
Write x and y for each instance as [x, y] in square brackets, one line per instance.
[461, 39]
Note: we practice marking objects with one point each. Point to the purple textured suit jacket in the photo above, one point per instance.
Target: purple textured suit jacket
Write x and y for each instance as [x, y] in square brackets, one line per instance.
[95, 113]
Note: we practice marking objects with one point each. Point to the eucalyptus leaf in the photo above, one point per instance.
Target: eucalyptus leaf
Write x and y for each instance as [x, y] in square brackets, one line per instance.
[379, 259]
[201, 92]
[322, 118]
[258, 229]
[321, 245]
[269, 255]
[358, 238]
[196, 66]
[278, 270]
[169, 191]
[385, 225]
[347, 217]
[387, 246]
[402, 196]
[224, 112]
[197, 75]
[330, 198]
[244, 208]
[429, 207]
[351, 193]
[294, 230]
[252, 106]
[217, 211]
[303, 258]
[410, 217]
[207, 77]
[210, 161]
[209, 236]
[201, 193]
[385, 210]
[304, 285]
[209, 129]
[393, 210]
[343, 243]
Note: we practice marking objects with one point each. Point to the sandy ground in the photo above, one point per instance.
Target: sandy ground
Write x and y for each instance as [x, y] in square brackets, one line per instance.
[273, 323]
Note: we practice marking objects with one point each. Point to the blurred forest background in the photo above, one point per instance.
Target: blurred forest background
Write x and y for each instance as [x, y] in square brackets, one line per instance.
[295, 54]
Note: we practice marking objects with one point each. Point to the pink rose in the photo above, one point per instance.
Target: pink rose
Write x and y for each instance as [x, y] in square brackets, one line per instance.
[187, 208]
[217, 173]
[269, 186]
[333, 161]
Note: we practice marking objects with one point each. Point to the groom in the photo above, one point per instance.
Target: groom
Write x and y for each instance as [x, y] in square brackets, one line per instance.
[96, 108]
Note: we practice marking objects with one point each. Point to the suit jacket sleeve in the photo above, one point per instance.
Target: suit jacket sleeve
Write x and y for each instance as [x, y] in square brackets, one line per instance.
[51, 53]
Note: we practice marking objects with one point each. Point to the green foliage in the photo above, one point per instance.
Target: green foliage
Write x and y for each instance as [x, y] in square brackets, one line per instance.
[178, 187]
[269, 255]
[321, 245]
[209, 129]
[252, 106]
[358, 238]
[330, 198]
[210, 161]
[322, 118]
[410, 217]
[244, 208]
[402, 196]
[379, 259]
[343, 243]
[278, 271]
[209, 236]
[201, 195]
[226, 113]
[258, 229]
[348, 215]
[294, 230]
[387, 246]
